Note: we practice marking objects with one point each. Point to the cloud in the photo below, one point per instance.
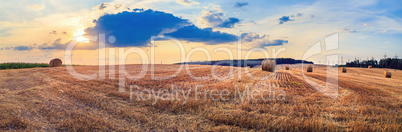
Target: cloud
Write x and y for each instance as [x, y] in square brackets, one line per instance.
[348, 30]
[260, 41]
[187, 2]
[36, 7]
[240, 4]
[206, 35]
[53, 32]
[211, 19]
[284, 19]
[23, 48]
[214, 18]
[55, 45]
[276, 42]
[59, 45]
[135, 28]
[6, 48]
[19, 48]
[229, 23]
[101, 6]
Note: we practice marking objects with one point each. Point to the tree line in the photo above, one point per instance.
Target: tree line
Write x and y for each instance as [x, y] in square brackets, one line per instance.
[392, 63]
[246, 62]
[21, 65]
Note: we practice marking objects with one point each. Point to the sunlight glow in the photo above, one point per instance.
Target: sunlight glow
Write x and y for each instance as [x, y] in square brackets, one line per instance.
[78, 32]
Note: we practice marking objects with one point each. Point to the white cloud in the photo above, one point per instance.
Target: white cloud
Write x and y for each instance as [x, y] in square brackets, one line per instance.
[253, 40]
[210, 18]
[187, 2]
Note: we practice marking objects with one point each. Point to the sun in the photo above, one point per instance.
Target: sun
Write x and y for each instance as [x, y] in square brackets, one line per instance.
[78, 35]
[82, 39]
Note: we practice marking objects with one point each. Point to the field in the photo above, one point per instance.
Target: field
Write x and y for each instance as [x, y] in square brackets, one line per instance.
[50, 99]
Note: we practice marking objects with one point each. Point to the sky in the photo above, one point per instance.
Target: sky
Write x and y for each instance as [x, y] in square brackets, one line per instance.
[172, 31]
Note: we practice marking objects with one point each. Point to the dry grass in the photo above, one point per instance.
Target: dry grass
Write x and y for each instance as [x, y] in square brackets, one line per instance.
[50, 99]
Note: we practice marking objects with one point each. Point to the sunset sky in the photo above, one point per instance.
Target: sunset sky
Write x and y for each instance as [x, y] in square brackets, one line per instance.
[39, 30]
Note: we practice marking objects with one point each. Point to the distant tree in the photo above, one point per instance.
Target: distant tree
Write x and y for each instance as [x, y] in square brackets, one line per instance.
[400, 64]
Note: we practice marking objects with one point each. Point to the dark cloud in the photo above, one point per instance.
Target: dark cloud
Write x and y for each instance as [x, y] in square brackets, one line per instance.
[206, 35]
[117, 6]
[135, 28]
[249, 37]
[211, 18]
[55, 45]
[240, 4]
[7, 48]
[102, 6]
[276, 42]
[260, 41]
[58, 45]
[23, 48]
[284, 19]
[229, 23]
[216, 20]
[349, 30]
[53, 32]
[19, 48]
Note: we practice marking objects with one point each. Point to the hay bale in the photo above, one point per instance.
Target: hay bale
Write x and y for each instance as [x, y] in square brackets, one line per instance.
[286, 67]
[309, 68]
[55, 63]
[387, 74]
[369, 67]
[343, 69]
[268, 65]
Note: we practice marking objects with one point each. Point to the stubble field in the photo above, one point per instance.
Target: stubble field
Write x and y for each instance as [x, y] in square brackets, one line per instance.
[51, 99]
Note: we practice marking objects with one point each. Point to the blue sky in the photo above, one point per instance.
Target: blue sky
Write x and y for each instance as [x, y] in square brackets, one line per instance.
[38, 30]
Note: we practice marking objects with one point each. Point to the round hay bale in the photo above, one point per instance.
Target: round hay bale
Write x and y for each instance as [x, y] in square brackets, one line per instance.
[286, 67]
[387, 74]
[369, 67]
[268, 65]
[343, 69]
[55, 63]
[309, 68]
